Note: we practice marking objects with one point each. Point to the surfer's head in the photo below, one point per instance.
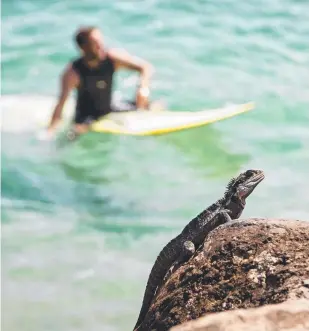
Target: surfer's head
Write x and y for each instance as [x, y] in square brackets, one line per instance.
[90, 41]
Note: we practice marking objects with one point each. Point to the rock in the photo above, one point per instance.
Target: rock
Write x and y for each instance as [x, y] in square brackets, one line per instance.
[292, 315]
[246, 263]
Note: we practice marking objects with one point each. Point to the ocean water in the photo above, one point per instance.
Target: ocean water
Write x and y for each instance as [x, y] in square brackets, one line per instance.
[83, 223]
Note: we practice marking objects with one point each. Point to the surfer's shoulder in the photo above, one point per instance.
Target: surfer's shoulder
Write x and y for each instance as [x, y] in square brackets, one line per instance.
[123, 58]
[69, 76]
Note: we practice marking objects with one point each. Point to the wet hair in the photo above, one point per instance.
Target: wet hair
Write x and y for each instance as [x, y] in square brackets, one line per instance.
[82, 35]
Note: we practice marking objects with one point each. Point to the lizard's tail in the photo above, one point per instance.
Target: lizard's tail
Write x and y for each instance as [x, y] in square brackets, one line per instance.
[148, 296]
[158, 271]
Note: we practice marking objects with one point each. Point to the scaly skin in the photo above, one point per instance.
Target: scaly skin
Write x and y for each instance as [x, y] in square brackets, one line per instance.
[192, 236]
[188, 252]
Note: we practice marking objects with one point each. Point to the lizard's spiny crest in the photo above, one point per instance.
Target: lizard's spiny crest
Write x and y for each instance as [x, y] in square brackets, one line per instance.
[230, 184]
[231, 187]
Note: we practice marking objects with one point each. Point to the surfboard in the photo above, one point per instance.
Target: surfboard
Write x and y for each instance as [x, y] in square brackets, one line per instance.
[22, 112]
[143, 122]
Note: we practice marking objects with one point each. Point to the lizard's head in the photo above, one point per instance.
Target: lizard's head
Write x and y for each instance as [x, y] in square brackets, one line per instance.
[241, 187]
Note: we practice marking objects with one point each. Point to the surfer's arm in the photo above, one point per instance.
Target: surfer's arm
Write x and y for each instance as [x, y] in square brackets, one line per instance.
[124, 60]
[68, 81]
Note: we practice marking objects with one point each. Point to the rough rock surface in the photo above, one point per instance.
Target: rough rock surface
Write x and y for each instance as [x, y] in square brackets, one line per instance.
[243, 264]
[287, 316]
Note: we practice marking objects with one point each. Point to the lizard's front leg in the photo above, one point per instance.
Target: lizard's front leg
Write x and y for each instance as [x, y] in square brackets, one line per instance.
[221, 218]
[188, 249]
[224, 216]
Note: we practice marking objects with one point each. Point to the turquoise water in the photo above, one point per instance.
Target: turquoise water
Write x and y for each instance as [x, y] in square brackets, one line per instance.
[82, 224]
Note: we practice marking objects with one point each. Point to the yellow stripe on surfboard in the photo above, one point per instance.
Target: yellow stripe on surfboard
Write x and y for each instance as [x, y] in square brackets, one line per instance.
[119, 123]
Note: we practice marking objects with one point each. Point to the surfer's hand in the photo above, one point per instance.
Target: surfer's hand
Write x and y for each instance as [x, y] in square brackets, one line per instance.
[45, 135]
[142, 95]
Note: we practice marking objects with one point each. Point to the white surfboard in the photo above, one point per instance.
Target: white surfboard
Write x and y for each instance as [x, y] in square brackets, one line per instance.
[20, 112]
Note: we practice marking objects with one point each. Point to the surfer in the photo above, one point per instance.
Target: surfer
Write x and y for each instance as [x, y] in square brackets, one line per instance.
[92, 76]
